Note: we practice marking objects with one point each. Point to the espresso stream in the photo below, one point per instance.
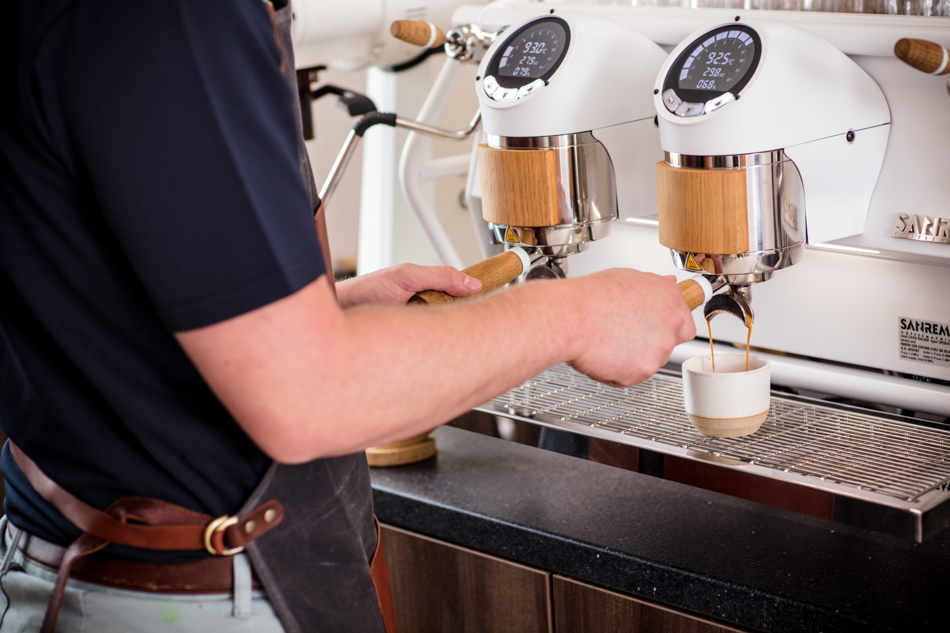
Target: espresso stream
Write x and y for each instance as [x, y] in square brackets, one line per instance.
[712, 353]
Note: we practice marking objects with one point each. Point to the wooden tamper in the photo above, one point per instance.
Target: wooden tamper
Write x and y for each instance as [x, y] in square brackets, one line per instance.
[407, 451]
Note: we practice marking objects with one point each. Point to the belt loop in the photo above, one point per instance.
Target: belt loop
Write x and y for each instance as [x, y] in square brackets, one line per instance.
[242, 587]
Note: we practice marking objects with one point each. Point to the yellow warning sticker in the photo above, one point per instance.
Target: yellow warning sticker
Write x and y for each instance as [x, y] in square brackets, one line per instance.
[692, 264]
[511, 237]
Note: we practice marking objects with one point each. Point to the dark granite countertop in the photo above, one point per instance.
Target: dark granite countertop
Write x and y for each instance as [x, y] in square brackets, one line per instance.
[714, 555]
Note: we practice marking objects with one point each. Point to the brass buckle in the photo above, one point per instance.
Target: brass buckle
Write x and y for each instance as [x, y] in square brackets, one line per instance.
[220, 524]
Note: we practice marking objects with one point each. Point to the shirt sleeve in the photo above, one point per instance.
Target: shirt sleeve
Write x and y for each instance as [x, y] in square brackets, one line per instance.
[180, 122]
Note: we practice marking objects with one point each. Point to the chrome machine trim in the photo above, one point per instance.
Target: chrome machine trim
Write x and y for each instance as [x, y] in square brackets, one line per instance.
[587, 194]
[775, 211]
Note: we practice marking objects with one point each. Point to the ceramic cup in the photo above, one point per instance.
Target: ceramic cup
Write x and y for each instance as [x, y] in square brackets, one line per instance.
[730, 402]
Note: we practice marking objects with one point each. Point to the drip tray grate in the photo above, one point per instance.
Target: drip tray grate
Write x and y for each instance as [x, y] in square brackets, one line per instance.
[854, 454]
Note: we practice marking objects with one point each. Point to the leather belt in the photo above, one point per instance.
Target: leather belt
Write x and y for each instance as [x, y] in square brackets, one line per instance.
[146, 523]
[155, 524]
[205, 576]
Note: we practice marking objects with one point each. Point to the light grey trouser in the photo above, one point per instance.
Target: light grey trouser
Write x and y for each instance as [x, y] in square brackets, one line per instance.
[25, 588]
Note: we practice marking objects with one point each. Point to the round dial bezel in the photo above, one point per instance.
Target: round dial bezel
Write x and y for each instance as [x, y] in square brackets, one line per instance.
[688, 95]
[517, 82]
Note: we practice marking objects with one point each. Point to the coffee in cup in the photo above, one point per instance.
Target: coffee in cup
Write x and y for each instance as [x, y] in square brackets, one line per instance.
[730, 401]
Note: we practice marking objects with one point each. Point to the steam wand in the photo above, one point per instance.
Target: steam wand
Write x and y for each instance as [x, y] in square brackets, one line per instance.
[461, 43]
[391, 119]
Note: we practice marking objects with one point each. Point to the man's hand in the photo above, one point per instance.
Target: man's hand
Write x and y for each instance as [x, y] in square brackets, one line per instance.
[633, 322]
[395, 285]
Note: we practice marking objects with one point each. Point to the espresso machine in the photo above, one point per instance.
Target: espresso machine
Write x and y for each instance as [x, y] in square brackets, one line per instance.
[561, 120]
[752, 115]
[795, 156]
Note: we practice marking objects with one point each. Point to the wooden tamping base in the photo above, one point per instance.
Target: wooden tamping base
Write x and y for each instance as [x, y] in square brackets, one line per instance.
[408, 451]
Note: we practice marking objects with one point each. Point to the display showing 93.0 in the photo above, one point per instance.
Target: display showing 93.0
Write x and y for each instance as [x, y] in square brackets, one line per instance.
[532, 52]
[722, 60]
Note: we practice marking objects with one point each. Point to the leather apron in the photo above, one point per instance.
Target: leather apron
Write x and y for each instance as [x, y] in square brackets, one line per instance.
[315, 567]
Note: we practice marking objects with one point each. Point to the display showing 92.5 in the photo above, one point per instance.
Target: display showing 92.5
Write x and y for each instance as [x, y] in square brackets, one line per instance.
[534, 52]
[718, 63]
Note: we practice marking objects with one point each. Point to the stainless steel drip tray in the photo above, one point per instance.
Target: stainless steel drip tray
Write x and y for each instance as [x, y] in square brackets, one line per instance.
[882, 472]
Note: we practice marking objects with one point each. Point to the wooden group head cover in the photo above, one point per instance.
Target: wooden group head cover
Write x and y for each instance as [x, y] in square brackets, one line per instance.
[519, 186]
[702, 210]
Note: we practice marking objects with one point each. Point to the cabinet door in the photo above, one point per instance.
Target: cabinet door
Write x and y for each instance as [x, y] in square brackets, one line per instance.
[583, 608]
[438, 587]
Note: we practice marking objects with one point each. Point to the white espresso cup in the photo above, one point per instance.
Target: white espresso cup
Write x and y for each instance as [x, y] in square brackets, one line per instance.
[731, 401]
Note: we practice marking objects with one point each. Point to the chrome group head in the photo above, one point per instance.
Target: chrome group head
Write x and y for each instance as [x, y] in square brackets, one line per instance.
[775, 216]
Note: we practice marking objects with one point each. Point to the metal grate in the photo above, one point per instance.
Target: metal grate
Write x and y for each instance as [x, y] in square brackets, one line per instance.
[888, 457]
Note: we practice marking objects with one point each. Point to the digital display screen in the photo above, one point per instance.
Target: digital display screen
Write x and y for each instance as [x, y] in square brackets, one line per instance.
[533, 52]
[718, 63]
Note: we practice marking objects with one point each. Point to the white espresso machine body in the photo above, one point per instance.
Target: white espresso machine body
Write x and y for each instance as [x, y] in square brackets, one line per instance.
[848, 316]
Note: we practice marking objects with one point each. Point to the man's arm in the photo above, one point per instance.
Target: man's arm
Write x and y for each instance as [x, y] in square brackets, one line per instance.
[306, 379]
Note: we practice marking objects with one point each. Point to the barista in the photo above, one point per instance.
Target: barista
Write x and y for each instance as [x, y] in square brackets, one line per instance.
[168, 329]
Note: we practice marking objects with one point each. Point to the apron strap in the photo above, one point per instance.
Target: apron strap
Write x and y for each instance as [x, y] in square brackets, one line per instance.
[379, 572]
[83, 546]
[320, 224]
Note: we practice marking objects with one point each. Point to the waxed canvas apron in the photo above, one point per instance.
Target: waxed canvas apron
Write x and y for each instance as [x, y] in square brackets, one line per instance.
[315, 567]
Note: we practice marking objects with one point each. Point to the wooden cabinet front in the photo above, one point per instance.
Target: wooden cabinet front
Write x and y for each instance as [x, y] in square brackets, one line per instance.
[583, 608]
[439, 587]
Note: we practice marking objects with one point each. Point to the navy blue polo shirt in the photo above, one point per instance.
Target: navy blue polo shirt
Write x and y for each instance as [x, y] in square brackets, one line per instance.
[149, 184]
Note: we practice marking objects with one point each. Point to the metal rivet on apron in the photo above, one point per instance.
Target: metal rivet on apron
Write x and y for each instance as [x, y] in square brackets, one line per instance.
[270, 515]
[250, 526]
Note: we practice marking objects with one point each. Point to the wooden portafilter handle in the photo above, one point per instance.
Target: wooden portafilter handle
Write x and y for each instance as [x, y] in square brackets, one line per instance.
[923, 55]
[693, 293]
[493, 272]
[417, 33]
